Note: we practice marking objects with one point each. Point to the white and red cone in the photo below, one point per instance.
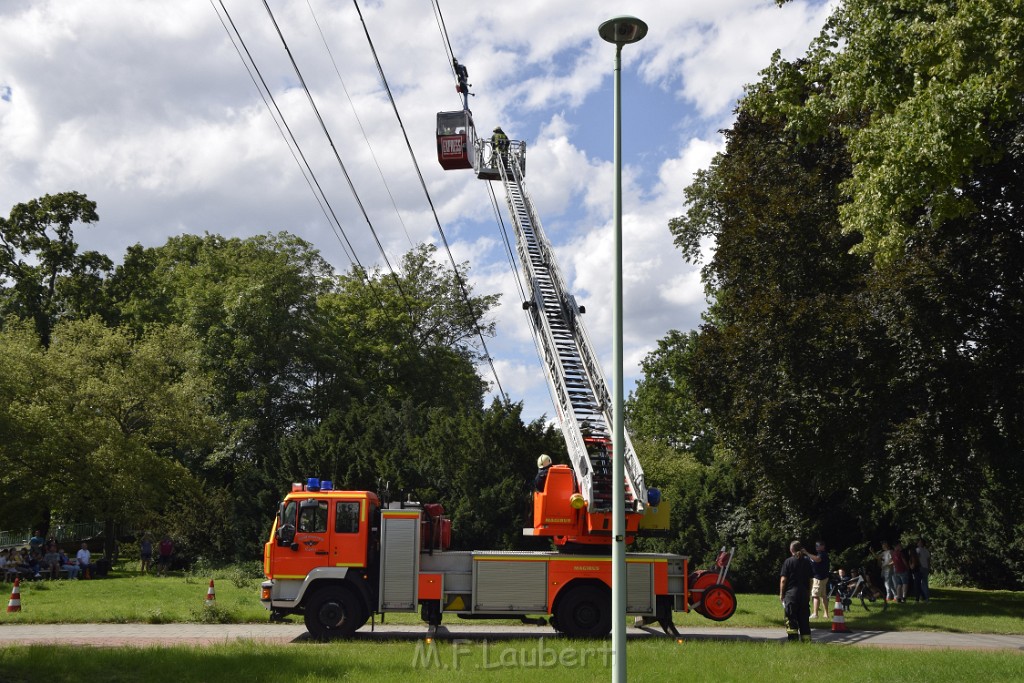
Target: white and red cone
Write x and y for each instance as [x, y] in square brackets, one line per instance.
[211, 597]
[838, 620]
[14, 605]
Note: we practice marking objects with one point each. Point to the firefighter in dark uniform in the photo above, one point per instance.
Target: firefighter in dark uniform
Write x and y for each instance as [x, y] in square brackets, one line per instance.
[795, 592]
[543, 465]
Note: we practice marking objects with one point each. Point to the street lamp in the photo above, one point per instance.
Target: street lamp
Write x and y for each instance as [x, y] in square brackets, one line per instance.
[621, 31]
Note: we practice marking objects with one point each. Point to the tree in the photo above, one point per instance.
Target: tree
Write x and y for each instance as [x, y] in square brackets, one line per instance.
[43, 278]
[915, 88]
[776, 363]
[663, 408]
[877, 395]
[414, 334]
[103, 429]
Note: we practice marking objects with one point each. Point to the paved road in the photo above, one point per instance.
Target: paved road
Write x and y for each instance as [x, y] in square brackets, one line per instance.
[201, 634]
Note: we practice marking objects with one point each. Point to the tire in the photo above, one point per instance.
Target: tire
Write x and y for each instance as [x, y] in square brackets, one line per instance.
[333, 613]
[719, 603]
[586, 612]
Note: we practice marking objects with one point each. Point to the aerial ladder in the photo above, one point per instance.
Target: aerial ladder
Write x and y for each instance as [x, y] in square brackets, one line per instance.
[575, 380]
[575, 506]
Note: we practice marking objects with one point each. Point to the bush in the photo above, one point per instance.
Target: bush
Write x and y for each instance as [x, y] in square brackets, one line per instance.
[212, 614]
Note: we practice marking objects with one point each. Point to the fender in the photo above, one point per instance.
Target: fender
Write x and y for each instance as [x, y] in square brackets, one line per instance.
[287, 594]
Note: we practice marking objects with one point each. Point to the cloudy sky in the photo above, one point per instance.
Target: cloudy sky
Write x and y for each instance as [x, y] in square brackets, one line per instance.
[146, 107]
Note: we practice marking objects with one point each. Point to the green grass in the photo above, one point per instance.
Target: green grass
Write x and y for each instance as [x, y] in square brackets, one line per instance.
[536, 660]
[130, 598]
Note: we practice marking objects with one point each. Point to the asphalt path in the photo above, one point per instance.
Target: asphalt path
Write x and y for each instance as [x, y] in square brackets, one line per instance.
[112, 635]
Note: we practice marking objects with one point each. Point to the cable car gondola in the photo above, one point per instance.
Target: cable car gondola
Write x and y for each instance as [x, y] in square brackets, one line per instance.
[456, 139]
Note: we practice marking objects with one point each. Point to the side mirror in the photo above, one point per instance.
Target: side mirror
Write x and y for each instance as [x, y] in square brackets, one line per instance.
[286, 535]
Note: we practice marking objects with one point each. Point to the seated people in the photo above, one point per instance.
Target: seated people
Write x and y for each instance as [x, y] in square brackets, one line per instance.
[84, 557]
[69, 564]
[35, 563]
[51, 561]
[6, 570]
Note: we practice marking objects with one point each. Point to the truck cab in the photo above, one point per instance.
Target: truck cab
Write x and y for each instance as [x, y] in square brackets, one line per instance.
[320, 559]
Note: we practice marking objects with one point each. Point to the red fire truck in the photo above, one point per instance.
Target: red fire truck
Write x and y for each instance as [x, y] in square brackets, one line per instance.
[338, 557]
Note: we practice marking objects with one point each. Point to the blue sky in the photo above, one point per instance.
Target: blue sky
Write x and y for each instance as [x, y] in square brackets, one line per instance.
[145, 106]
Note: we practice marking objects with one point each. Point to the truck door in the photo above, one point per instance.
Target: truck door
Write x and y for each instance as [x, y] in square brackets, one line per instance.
[348, 544]
[309, 548]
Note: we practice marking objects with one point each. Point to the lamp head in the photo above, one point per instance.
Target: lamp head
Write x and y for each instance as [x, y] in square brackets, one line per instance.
[622, 30]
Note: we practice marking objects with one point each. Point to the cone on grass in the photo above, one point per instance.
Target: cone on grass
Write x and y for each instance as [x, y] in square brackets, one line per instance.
[14, 604]
[211, 597]
[838, 620]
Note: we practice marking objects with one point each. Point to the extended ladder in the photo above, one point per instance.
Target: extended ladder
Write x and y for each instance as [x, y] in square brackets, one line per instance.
[574, 375]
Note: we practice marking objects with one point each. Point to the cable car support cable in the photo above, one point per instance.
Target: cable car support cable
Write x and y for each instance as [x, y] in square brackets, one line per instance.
[430, 201]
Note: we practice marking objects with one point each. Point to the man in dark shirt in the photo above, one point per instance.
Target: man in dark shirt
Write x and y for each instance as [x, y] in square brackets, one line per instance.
[794, 592]
[820, 572]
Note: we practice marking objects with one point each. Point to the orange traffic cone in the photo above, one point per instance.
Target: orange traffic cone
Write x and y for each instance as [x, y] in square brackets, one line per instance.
[838, 620]
[14, 605]
[210, 595]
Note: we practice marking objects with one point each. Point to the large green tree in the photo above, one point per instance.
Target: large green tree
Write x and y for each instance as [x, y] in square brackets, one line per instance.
[916, 88]
[876, 395]
[43, 276]
[414, 334]
[98, 425]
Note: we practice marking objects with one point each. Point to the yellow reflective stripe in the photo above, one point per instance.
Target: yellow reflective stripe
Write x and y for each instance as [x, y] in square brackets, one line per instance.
[289, 576]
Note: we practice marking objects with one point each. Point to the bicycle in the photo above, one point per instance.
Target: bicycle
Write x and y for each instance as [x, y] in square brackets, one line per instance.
[857, 586]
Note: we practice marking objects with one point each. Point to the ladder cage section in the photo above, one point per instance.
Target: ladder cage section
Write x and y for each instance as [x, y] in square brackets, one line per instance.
[575, 378]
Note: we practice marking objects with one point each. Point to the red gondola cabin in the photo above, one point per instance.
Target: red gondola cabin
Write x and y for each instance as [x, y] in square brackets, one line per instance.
[456, 139]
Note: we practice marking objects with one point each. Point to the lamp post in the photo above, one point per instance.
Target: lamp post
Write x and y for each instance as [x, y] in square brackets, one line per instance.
[620, 31]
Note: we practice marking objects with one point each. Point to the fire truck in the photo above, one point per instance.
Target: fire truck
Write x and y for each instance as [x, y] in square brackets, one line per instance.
[339, 557]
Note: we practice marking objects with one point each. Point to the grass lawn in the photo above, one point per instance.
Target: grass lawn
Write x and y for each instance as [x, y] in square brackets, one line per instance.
[127, 597]
[536, 661]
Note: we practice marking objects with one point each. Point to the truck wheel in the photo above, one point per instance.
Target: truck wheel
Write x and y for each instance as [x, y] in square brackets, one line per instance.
[719, 603]
[333, 613]
[586, 612]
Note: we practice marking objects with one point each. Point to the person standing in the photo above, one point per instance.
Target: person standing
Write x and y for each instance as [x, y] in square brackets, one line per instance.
[820, 568]
[886, 562]
[924, 568]
[145, 553]
[912, 573]
[794, 593]
[900, 572]
[166, 550]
